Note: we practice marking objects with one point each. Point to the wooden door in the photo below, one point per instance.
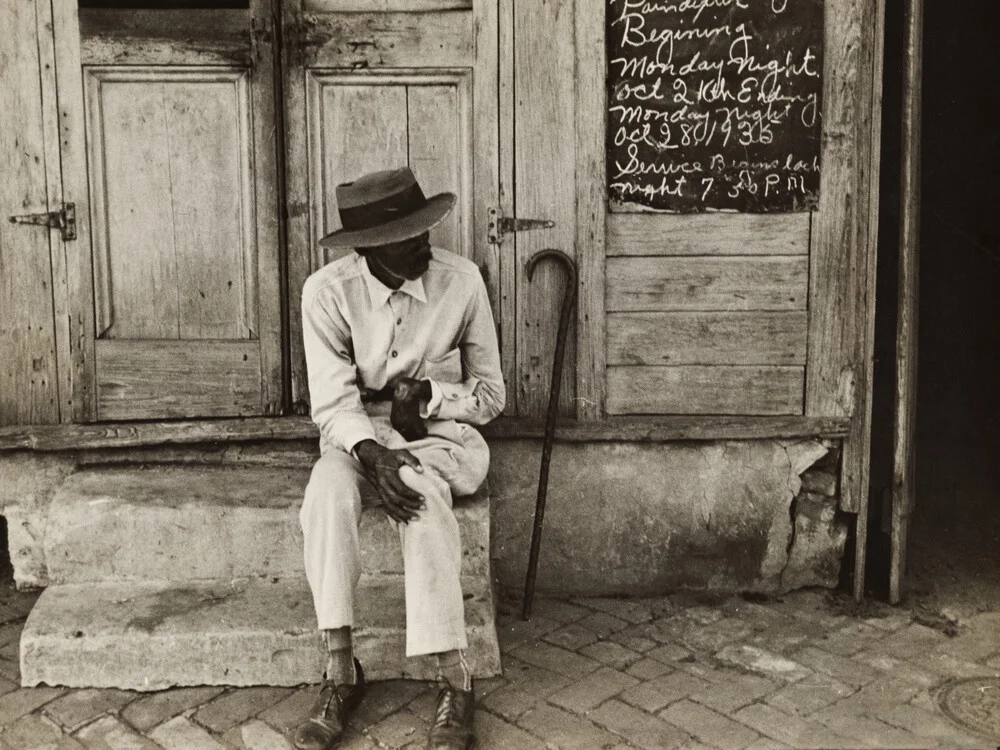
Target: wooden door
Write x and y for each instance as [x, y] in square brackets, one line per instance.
[376, 84]
[29, 162]
[175, 130]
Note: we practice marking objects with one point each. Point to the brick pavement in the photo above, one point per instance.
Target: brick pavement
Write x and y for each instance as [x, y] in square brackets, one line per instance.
[806, 670]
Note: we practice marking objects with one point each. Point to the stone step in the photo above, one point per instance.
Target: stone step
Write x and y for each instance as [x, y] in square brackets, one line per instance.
[150, 636]
[183, 522]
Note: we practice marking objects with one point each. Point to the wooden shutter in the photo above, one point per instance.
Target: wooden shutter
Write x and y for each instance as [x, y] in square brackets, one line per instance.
[376, 84]
[179, 153]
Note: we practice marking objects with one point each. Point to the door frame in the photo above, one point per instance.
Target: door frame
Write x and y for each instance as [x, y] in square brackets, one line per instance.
[74, 276]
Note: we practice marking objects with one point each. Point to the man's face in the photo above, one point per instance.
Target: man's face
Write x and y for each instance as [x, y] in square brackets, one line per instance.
[408, 258]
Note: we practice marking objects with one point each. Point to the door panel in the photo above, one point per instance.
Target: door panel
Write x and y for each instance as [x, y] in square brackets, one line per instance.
[366, 91]
[174, 378]
[174, 240]
[371, 122]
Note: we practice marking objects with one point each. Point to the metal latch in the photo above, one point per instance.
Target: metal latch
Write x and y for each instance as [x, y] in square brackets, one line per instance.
[499, 225]
[64, 220]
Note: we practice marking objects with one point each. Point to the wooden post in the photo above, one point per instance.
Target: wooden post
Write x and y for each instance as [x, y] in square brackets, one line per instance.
[907, 302]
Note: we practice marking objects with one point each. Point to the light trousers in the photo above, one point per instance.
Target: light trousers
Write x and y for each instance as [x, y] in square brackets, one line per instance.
[455, 459]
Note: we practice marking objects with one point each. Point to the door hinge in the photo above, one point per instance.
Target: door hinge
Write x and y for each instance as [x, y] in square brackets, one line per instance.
[499, 225]
[64, 220]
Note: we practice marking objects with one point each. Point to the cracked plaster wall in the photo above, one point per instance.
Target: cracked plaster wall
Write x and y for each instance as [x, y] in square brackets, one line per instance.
[27, 483]
[642, 518]
[621, 518]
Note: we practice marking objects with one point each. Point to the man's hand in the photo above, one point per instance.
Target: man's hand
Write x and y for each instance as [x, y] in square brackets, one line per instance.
[405, 415]
[383, 465]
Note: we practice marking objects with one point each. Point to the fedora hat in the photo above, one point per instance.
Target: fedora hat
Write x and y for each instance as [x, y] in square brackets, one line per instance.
[385, 207]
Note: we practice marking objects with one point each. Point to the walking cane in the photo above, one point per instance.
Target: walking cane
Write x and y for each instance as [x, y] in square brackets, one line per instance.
[569, 300]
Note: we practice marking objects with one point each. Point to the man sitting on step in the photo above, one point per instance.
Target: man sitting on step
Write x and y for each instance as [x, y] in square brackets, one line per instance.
[402, 357]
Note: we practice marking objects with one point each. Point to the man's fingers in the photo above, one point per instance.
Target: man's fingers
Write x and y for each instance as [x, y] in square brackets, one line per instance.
[406, 495]
[398, 514]
[400, 508]
[408, 459]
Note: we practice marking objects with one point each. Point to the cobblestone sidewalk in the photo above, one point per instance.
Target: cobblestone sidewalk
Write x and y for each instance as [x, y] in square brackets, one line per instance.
[806, 670]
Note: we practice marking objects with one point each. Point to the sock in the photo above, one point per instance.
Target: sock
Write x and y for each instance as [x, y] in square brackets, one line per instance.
[340, 659]
[453, 668]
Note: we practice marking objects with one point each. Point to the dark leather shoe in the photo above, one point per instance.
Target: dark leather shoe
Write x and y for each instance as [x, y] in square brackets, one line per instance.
[452, 728]
[328, 718]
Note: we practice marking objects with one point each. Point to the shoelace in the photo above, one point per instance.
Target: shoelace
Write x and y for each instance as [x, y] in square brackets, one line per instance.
[333, 698]
[448, 711]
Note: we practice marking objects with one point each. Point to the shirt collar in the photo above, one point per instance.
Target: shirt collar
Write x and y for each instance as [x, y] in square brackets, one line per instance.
[379, 293]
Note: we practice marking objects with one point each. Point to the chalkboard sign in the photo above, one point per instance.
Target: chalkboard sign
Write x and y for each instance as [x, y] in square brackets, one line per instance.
[714, 104]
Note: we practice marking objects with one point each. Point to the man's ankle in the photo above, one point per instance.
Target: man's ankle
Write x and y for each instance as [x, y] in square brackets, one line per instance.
[340, 656]
[454, 670]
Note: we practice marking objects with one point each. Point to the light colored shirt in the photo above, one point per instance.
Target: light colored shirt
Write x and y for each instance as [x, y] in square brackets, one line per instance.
[360, 334]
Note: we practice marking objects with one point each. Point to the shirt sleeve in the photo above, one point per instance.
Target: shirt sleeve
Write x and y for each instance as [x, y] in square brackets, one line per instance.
[481, 395]
[333, 386]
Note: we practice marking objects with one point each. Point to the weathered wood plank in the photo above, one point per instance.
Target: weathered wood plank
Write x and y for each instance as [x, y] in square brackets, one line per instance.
[380, 6]
[841, 223]
[545, 159]
[908, 303]
[699, 338]
[300, 216]
[436, 39]
[664, 284]
[263, 184]
[177, 379]
[71, 437]
[486, 116]
[74, 288]
[209, 152]
[137, 291]
[436, 156]
[110, 36]
[61, 314]
[591, 208]
[28, 375]
[705, 390]
[856, 462]
[708, 234]
[504, 253]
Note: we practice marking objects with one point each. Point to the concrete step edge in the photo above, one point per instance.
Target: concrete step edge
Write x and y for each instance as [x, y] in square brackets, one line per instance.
[64, 641]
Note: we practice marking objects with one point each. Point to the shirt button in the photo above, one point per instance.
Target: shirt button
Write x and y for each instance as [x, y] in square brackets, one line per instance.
[399, 321]
[394, 353]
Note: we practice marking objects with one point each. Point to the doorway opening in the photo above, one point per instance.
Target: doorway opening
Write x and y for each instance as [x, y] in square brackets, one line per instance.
[953, 558]
[6, 571]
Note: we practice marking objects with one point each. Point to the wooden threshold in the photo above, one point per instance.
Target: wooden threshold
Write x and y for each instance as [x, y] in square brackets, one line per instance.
[616, 429]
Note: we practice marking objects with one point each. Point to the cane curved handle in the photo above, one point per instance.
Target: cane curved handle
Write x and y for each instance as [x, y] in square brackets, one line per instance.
[555, 254]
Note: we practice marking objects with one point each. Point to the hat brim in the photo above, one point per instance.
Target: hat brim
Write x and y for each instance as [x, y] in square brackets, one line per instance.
[432, 213]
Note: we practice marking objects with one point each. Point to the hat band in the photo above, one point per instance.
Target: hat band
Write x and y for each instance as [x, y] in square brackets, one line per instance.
[392, 207]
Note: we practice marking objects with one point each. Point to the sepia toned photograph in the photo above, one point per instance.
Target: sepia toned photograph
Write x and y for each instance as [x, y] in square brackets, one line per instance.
[499, 374]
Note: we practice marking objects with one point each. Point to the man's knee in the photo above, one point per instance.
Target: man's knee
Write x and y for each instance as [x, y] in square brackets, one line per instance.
[333, 492]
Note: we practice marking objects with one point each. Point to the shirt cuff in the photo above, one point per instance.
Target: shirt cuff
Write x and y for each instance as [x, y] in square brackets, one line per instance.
[351, 430]
[430, 409]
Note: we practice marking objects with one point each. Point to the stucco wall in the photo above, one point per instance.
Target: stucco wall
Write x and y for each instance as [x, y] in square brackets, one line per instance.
[643, 518]
[622, 518]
